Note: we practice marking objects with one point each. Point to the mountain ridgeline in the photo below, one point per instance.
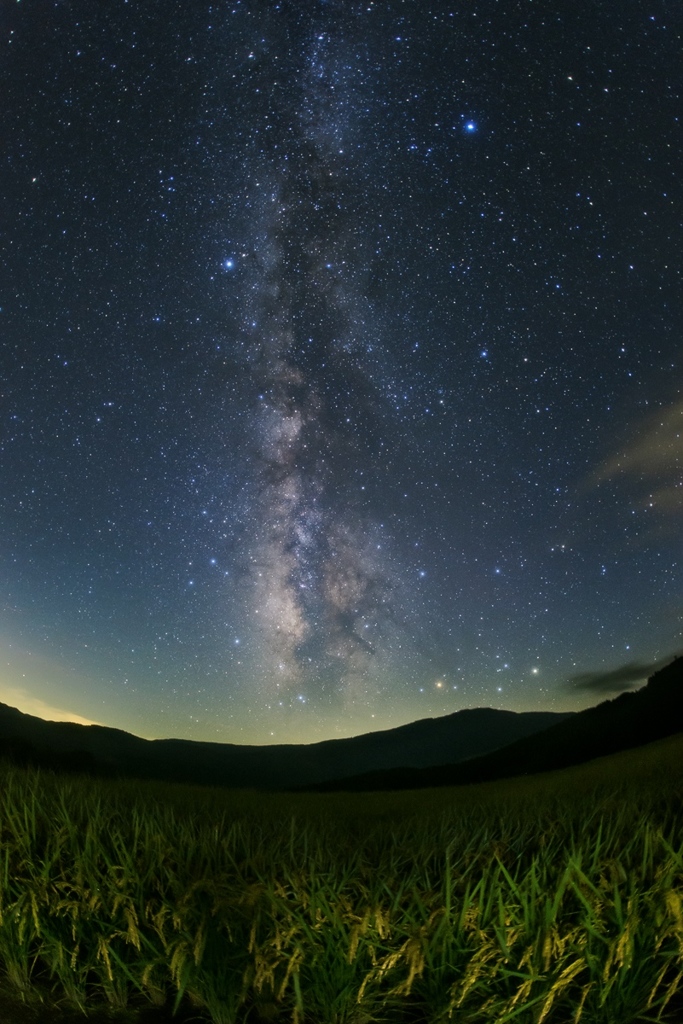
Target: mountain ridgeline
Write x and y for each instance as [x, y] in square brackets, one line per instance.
[630, 720]
[100, 751]
[475, 745]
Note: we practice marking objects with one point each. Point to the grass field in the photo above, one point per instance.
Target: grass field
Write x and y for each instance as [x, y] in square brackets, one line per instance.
[555, 898]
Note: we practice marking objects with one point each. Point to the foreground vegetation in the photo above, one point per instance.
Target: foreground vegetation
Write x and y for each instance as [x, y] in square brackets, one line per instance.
[555, 899]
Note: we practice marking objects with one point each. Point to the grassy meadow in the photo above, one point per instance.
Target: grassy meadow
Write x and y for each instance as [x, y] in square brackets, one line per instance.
[555, 898]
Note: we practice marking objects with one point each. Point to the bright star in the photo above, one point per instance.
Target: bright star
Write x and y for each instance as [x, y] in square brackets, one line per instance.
[470, 126]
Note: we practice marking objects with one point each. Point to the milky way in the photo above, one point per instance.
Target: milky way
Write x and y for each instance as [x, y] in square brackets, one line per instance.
[320, 584]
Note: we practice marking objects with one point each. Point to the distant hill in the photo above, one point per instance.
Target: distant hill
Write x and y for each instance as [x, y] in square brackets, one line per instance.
[65, 746]
[630, 720]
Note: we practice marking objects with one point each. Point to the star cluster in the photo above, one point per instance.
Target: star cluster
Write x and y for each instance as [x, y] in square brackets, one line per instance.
[341, 359]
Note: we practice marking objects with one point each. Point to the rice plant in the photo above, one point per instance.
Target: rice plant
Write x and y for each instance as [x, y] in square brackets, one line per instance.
[545, 900]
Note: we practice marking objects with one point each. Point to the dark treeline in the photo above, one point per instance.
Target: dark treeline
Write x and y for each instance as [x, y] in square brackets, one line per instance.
[23, 754]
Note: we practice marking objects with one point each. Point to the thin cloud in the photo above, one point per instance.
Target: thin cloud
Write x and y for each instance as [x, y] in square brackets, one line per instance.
[616, 680]
[653, 460]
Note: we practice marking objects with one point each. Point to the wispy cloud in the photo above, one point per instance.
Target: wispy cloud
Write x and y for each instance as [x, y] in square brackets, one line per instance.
[616, 680]
[653, 460]
[23, 701]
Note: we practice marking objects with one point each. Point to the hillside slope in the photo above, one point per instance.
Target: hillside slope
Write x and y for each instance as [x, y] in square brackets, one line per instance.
[630, 720]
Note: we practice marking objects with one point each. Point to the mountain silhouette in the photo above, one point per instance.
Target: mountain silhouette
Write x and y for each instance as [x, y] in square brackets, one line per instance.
[97, 750]
[630, 720]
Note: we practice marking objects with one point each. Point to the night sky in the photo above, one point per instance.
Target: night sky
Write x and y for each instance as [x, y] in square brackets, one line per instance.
[340, 359]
